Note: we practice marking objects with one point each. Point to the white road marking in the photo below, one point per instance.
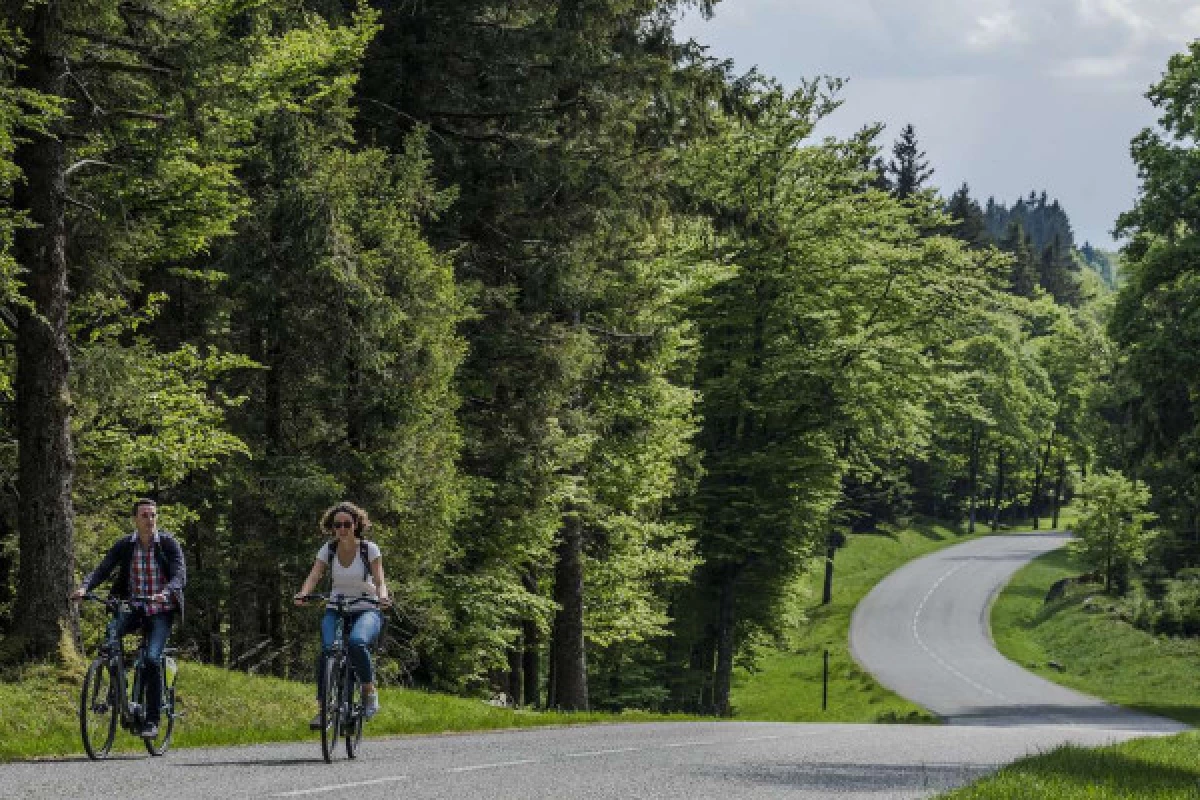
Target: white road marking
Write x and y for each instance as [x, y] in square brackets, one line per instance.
[493, 766]
[335, 787]
[941, 662]
[602, 752]
[759, 738]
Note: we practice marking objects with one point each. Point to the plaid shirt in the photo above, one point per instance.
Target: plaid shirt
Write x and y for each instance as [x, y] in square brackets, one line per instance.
[146, 577]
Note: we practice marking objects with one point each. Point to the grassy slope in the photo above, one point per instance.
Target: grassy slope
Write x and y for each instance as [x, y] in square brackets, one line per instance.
[1100, 654]
[1144, 769]
[1106, 657]
[787, 684]
[38, 713]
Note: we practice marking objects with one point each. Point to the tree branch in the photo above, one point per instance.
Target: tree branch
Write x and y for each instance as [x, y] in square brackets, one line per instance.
[120, 44]
[87, 162]
[121, 66]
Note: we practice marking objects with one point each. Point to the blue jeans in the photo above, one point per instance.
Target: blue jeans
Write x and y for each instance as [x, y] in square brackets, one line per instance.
[158, 629]
[364, 628]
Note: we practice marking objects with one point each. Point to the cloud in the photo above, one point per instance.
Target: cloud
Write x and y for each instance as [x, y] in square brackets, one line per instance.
[1080, 40]
[1009, 95]
[995, 30]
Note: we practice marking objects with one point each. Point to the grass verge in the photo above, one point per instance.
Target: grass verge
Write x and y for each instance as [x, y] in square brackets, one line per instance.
[1102, 655]
[786, 684]
[38, 713]
[1145, 769]
[1097, 652]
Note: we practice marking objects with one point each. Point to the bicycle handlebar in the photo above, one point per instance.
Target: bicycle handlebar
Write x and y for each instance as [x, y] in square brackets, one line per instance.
[113, 603]
[339, 600]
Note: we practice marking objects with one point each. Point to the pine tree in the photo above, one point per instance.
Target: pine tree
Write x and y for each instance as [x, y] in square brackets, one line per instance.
[971, 227]
[908, 170]
[1023, 276]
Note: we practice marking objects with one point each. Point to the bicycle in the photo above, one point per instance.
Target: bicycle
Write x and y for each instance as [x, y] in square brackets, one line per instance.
[107, 698]
[341, 709]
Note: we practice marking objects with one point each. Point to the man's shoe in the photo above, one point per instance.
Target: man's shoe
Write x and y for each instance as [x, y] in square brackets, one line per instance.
[315, 723]
[371, 705]
[149, 731]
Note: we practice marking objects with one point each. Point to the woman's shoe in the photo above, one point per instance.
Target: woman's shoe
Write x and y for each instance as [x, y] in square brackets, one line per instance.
[371, 705]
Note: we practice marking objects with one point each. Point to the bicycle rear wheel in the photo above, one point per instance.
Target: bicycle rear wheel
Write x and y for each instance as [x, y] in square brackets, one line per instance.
[329, 696]
[159, 745]
[98, 709]
[355, 704]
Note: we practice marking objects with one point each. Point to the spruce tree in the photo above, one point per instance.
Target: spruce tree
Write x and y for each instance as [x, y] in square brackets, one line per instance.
[908, 170]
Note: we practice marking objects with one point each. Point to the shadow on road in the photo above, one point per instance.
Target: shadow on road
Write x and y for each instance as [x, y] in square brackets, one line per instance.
[836, 777]
[255, 762]
[1086, 715]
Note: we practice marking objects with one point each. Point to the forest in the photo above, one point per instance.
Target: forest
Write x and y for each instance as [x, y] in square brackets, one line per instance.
[609, 344]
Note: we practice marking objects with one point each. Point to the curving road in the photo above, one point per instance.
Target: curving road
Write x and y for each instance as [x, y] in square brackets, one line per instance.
[923, 631]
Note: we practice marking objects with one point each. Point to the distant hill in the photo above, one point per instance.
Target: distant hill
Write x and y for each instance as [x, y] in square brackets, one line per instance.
[1105, 263]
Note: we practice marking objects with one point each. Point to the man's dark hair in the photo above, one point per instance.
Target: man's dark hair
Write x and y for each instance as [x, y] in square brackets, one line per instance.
[142, 501]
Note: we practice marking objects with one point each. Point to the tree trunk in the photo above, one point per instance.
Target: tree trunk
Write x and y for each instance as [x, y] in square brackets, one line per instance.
[827, 588]
[973, 478]
[1035, 499]
[569, 646]
[513, 683]
[726, 620]
[530, 658]
[999, 496]
[46, 624]
[1058, 491]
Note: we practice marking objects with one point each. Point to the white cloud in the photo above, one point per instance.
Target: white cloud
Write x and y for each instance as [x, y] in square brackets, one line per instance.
[1087, 68]
[1007, 94]
[995, 30]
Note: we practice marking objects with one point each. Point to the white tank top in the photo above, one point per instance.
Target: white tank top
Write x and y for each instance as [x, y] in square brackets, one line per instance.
[349, 581]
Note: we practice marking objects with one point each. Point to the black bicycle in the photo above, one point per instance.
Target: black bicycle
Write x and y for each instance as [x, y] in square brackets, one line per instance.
[108, 698]
[339, 692]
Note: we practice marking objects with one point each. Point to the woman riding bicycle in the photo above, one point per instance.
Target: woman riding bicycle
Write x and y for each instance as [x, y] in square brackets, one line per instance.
[357, 570]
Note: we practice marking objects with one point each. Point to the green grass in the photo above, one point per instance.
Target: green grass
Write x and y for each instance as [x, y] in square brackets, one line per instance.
[1099, 653]
[786, 686]
[1145, 769]
[38, 712]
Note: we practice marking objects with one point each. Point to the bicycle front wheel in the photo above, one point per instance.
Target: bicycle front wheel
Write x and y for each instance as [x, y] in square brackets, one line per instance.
[329, 696]
[355, 704]
[98, 709]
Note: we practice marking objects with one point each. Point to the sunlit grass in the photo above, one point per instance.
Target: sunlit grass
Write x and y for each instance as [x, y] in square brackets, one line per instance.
[38, 712]
[1143, 769]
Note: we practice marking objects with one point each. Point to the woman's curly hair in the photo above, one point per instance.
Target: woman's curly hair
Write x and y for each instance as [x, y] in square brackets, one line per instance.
[362, 522]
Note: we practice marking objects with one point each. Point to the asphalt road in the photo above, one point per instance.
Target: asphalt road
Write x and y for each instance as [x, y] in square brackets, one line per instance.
[923, 631]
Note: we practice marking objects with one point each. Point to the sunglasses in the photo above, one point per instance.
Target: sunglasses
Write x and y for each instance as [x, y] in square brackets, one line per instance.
[338, 525]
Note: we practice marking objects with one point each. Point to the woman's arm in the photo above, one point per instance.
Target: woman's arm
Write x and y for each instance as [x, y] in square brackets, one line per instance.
[310, 583]
[381, 589]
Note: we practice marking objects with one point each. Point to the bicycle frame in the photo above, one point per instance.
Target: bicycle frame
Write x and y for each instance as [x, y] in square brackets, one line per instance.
[336, 665]
[132, 715]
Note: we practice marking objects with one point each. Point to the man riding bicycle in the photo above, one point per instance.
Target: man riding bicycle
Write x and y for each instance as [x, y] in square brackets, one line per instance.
[150, 564]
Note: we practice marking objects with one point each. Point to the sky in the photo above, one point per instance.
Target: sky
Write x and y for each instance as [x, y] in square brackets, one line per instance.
[1006, 95]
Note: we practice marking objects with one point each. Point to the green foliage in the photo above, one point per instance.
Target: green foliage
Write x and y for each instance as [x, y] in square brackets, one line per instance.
[1112, 533]
[1153, 319]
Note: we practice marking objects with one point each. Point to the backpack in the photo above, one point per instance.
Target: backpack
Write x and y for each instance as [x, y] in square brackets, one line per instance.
[331, 552]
